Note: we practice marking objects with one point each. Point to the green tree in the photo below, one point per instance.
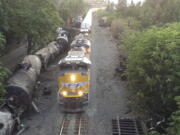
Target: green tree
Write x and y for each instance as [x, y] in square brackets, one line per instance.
[4, 73]
[72, 8]
[2, 42]
[34, 19]
[174, 128]
[154, 67]
[3, 16]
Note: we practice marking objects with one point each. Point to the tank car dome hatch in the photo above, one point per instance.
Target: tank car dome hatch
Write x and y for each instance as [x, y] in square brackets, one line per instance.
[6, 123]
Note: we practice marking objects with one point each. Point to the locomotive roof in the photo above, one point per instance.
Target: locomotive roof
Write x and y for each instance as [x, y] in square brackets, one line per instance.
[75, 54]
[75, 57]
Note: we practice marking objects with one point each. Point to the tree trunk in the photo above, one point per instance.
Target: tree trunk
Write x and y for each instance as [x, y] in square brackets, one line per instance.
[29, 47]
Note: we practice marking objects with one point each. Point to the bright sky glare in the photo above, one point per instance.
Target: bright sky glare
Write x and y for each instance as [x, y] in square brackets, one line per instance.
[128, 1]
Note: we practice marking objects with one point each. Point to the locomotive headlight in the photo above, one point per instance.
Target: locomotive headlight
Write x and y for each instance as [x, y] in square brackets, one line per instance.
[64, 93]
[80, 93]
[73, 78]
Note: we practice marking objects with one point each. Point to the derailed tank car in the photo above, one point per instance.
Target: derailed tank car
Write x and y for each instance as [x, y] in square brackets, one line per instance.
[20, 89]
[54, 48]
[74, 81]
[20, 86]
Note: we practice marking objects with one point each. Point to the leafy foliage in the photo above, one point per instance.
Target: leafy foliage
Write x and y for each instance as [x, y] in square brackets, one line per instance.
[119, 28]
[153, 67]
[4, 73]
[174, 128]
[152, 12]
[35, 19]
[2, 42]
[71, 8]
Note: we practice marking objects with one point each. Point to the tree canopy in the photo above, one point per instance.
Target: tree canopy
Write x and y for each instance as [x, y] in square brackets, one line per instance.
[35, 19]
[153, 67]
[71, 8]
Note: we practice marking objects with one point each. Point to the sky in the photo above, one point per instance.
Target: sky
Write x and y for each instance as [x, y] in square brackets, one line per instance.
[128, 1]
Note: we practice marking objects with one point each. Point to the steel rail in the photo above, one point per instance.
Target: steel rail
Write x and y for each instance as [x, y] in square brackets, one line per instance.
[119, 130]
[62, 129]
[79, 130]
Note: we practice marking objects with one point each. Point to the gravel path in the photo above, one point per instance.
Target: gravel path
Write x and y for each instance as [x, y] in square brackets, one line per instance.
[107, 95]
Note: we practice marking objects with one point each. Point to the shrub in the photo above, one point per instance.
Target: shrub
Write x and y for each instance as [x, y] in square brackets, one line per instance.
[118, 28]
[153, 68]
[4, 73]
[174, 128]
[133, 23]
[2, 42]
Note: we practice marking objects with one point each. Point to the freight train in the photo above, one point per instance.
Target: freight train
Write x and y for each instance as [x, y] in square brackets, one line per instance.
[74, 71]
[20, 86]
[74, 76]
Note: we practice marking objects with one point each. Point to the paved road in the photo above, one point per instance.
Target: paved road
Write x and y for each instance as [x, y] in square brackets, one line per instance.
[107, 95]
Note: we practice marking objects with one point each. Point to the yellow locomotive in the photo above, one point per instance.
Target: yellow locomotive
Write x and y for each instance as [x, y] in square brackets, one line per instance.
[74, 81]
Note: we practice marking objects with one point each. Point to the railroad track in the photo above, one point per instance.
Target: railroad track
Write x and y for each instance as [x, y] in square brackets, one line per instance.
[74, 124]
[64, 126]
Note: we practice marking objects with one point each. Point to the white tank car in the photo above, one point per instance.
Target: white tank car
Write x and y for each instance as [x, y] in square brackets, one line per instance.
[87, 22]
